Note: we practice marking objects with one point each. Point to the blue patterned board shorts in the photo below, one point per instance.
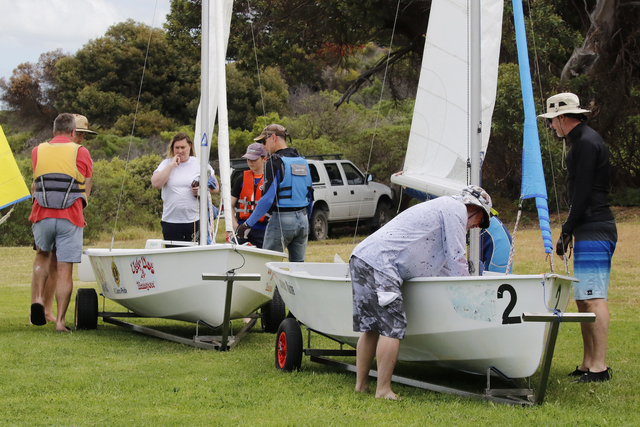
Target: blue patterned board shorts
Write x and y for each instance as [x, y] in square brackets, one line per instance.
[390, 320]
[593, 249]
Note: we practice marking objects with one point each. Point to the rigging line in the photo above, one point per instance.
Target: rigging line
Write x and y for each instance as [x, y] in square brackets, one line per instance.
[255, 53]
[264, 115]
[133, 126]
[375, 126]
[542, 102]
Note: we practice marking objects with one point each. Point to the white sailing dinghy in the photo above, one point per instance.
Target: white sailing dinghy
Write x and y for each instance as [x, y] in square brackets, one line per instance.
[178, 283]
[474, 324]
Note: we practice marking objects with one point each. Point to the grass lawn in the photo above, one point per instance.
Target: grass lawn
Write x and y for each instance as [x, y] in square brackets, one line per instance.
[112, 376]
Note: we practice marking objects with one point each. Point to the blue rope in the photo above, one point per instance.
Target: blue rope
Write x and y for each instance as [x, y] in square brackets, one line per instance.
[555, 311]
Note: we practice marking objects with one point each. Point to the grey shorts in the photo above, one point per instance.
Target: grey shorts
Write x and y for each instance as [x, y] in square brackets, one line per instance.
[368, 315]
[60, 234]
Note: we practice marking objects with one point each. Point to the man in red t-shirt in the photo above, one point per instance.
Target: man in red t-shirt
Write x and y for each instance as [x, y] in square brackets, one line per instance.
[82, 129]
[62, 173]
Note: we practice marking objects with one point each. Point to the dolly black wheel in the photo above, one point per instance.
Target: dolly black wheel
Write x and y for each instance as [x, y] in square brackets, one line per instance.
[273, 313]
[86, 314]
[289, 346]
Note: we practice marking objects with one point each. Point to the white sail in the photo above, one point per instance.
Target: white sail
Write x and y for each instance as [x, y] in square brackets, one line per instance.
[212, 97]
[438, 150]
[217, 24]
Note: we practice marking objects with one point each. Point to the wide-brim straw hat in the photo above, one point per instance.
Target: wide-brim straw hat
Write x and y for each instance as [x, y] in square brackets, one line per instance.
[82, 124]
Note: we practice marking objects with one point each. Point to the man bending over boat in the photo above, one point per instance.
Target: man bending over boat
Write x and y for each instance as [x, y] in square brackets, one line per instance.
[426, 240]
[287, 195]
[592, 224]
[61, 184]
[495, 240]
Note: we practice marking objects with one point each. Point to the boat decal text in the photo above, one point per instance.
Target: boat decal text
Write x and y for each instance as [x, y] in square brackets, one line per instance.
[99, 272]
[271, 282]
[116, 277]
[143, 274]
[286, 287]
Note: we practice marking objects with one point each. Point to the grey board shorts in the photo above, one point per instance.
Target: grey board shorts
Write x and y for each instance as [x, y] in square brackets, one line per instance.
[368, 315]
[61, 234]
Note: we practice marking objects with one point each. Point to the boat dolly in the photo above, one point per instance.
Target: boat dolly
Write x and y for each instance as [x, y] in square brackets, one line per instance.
[289, 354]
[86, 317]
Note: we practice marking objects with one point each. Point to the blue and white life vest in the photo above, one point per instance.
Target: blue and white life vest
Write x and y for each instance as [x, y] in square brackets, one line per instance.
[294, 188]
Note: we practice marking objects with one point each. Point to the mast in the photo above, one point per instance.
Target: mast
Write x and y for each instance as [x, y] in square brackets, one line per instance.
[223, 115]
[204, 117]
[475, 116]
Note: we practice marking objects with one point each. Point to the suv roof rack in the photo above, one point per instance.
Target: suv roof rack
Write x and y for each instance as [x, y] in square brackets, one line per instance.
[322, 156]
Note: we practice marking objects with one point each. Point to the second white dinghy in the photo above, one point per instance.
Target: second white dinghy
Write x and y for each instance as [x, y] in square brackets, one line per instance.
[489, 324]
[466, 323]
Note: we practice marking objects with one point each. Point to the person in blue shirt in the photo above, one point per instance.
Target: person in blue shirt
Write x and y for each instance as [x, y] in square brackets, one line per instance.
[287, 195]
[495, 240]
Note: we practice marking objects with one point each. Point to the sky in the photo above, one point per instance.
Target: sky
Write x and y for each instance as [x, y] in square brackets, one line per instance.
[29, 28]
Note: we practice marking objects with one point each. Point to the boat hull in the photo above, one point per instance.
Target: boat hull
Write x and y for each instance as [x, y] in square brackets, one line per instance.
[167, 283]
[466, 323]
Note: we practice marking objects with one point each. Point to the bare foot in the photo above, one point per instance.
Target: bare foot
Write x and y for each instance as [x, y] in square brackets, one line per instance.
[364, 389]
[387, 396]
[62, 328]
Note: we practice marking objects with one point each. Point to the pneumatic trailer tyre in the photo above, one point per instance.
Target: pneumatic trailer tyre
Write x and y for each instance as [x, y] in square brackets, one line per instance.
[289, 346]
[86, 313]
[318, 225]
[273, 313]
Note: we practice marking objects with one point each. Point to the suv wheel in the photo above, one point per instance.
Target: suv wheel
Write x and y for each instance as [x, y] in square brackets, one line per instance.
[383, 215]
[319, 225]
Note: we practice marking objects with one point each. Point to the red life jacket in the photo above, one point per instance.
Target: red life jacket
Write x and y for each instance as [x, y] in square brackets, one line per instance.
[249, 196]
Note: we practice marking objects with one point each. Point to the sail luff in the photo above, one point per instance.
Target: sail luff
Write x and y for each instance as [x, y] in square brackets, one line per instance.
[533, 182]
[222, 9]
[205, 139]
[475, 128]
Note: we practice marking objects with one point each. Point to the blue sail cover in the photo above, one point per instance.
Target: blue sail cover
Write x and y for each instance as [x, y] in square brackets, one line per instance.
[533, 183]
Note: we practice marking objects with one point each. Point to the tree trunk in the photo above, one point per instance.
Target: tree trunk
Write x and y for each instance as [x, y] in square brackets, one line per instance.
[603, 26]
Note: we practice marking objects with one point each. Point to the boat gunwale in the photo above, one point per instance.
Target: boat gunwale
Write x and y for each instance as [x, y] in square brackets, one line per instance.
[493, 277]
[101, 252]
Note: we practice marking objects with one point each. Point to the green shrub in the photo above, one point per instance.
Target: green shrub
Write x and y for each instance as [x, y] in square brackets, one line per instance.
[148, 123]
[17, 141]
[626, 197]
[140, 206]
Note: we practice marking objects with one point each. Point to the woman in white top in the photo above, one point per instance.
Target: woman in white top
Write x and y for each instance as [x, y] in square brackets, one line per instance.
[178, 176]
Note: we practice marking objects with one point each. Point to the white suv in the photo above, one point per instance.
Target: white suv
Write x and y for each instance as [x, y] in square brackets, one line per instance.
[342, 194]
